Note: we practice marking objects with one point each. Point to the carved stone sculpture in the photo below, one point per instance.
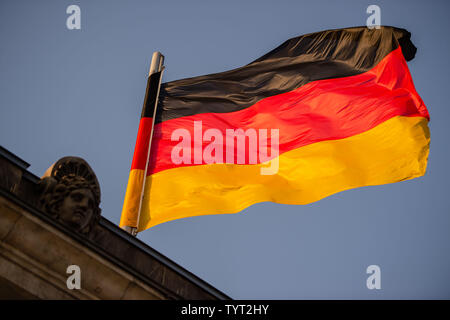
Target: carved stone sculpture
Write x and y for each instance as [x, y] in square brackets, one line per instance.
[71, 194]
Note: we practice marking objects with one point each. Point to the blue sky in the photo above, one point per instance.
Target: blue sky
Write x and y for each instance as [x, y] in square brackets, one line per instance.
[80, 92]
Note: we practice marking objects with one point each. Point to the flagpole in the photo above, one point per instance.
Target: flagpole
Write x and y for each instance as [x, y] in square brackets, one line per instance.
[155, 66]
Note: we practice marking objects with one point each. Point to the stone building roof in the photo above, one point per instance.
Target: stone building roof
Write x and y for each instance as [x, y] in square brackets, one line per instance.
[36, 249]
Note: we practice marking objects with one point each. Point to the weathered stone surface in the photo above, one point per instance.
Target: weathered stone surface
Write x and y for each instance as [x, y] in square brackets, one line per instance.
[9, 218]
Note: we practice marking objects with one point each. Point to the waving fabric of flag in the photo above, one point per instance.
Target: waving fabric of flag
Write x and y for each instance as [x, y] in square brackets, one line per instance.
[321, 113]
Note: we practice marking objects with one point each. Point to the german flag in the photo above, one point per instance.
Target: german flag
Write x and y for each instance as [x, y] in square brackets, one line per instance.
[321, 113]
